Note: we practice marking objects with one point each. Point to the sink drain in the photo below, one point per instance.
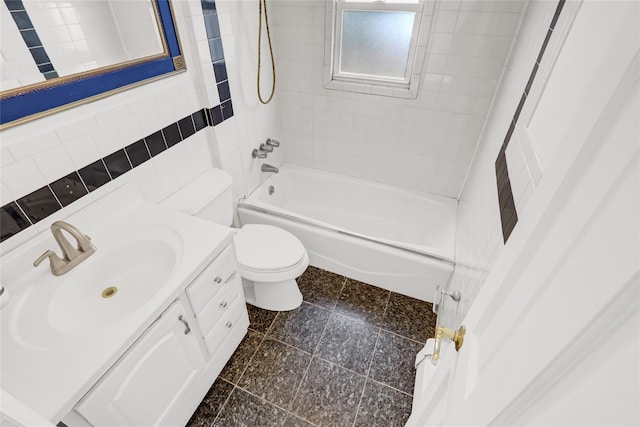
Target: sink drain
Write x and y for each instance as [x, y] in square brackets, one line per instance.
[109, 292]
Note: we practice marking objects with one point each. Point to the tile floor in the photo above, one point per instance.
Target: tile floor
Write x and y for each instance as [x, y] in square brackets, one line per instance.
[343, 358]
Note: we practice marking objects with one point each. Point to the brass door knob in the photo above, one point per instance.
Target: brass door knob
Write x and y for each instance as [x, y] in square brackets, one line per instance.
[456, 336]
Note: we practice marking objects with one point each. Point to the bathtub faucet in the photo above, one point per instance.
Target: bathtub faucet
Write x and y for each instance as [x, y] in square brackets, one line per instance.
[268, 168]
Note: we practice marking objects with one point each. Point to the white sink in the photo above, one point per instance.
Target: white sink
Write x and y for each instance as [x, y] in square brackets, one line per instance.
[129, 267]
[116, 284]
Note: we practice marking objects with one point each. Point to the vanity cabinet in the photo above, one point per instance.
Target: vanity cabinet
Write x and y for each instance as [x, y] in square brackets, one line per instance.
[147, 384]
[163, 376]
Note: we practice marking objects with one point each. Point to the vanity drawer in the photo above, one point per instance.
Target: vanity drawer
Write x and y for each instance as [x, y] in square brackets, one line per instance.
[219, 305]
[211, 280]
[231, 320]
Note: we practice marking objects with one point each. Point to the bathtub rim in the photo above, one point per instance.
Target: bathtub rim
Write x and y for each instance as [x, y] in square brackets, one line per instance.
[327, 227]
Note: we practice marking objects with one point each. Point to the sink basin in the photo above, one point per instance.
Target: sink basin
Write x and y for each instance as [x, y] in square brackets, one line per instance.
[128, 268]
[115, 285]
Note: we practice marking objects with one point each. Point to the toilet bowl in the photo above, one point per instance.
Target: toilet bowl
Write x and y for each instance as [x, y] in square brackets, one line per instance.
[269, 261]
[269, 258]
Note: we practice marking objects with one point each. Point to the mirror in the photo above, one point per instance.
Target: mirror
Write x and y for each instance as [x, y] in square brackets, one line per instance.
[57, 54]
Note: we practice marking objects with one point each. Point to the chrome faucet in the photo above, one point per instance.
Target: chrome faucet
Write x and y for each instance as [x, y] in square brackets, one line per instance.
[71, 255]
[268, 168]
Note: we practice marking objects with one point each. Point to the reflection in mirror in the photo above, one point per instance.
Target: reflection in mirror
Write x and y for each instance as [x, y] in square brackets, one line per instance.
[45, 39]
[57, 54]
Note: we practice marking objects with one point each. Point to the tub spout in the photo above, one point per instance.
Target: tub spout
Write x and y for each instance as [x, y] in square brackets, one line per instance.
[268, 168]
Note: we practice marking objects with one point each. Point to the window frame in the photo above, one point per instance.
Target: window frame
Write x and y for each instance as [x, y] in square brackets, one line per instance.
[363, 83]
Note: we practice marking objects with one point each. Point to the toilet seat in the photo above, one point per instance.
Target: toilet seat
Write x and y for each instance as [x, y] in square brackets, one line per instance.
[269, 254]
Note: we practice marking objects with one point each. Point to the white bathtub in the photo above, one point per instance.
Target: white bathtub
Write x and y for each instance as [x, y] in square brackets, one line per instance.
[393, 238]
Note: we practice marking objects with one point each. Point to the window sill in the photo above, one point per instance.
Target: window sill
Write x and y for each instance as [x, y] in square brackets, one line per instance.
[410, 92]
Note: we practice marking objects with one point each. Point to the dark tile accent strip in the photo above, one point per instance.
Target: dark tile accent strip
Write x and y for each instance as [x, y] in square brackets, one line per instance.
[14, 5]
[39, 204]
[22, 213]
[223, 91]
[155, 143]
[507, 207]
[138, 153]
[12, 221]
[227, 109]
[220, 70]
[68, 189]
[186, 126]
[95, 175]
[199, 120]
[216, 115]
[30, 37]
[172, 134]
[117, 163]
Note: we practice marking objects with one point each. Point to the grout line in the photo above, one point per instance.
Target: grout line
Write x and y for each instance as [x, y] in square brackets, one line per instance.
[271, 403]
[304, 376]
[388, 386]
[373, 355]
[248, 362]
[224, 404]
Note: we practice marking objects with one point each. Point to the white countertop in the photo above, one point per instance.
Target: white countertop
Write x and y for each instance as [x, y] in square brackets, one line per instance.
[51, 376]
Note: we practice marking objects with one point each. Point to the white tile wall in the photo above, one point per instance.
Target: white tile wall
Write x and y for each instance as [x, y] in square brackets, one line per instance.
[253, 122]
[479, 238]
[43, 150]
[424, 144]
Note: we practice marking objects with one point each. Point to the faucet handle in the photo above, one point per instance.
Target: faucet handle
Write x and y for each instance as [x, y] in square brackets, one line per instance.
[273, 142]
[258, 154]
[44, 256]
[266, 148]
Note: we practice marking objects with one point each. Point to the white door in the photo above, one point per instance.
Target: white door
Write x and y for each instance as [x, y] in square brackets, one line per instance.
[553, 337]
[145, 387]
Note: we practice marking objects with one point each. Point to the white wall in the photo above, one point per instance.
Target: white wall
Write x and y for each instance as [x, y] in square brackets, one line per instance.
[424, 144]
[479, 239]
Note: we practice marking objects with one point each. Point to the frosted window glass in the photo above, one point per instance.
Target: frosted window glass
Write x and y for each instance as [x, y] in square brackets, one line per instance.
[376, 43]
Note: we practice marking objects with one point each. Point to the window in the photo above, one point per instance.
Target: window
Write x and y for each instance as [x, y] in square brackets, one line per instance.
[375, 46]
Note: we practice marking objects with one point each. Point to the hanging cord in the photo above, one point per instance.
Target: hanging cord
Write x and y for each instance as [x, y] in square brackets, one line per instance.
[273, 65]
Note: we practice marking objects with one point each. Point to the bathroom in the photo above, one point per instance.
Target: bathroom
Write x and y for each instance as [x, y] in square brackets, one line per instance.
[514, 111]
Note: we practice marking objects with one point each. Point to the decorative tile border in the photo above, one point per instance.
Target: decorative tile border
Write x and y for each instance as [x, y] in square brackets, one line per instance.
[508, 214]
[22, 213]
[31, 39]
[216, 51]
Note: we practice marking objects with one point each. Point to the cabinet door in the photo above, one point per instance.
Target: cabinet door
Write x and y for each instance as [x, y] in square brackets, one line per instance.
[145, 386]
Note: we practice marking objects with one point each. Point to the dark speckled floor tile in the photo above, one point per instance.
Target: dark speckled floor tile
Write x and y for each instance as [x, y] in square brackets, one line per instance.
[301, 327]
[275, 372]
[348, 342]
[393, 361]
[234, 368]
[363, 302]
[410, 317]
[211, 404]
[244, 409]
[329, 395]
[260, 319]
[320, 287]
[293, 421]
[382, 406]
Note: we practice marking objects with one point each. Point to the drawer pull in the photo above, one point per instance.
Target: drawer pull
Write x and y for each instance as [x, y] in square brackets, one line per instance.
[223, 304]
[186, 324]
[229, 324]
[218, 279]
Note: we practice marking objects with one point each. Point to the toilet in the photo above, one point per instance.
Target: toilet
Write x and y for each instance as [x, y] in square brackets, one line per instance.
[269, 258]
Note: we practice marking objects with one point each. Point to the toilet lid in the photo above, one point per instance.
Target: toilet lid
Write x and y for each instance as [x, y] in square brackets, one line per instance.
[265, 247]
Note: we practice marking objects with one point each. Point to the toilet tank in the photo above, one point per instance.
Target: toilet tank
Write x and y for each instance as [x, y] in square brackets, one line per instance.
[209, 196]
